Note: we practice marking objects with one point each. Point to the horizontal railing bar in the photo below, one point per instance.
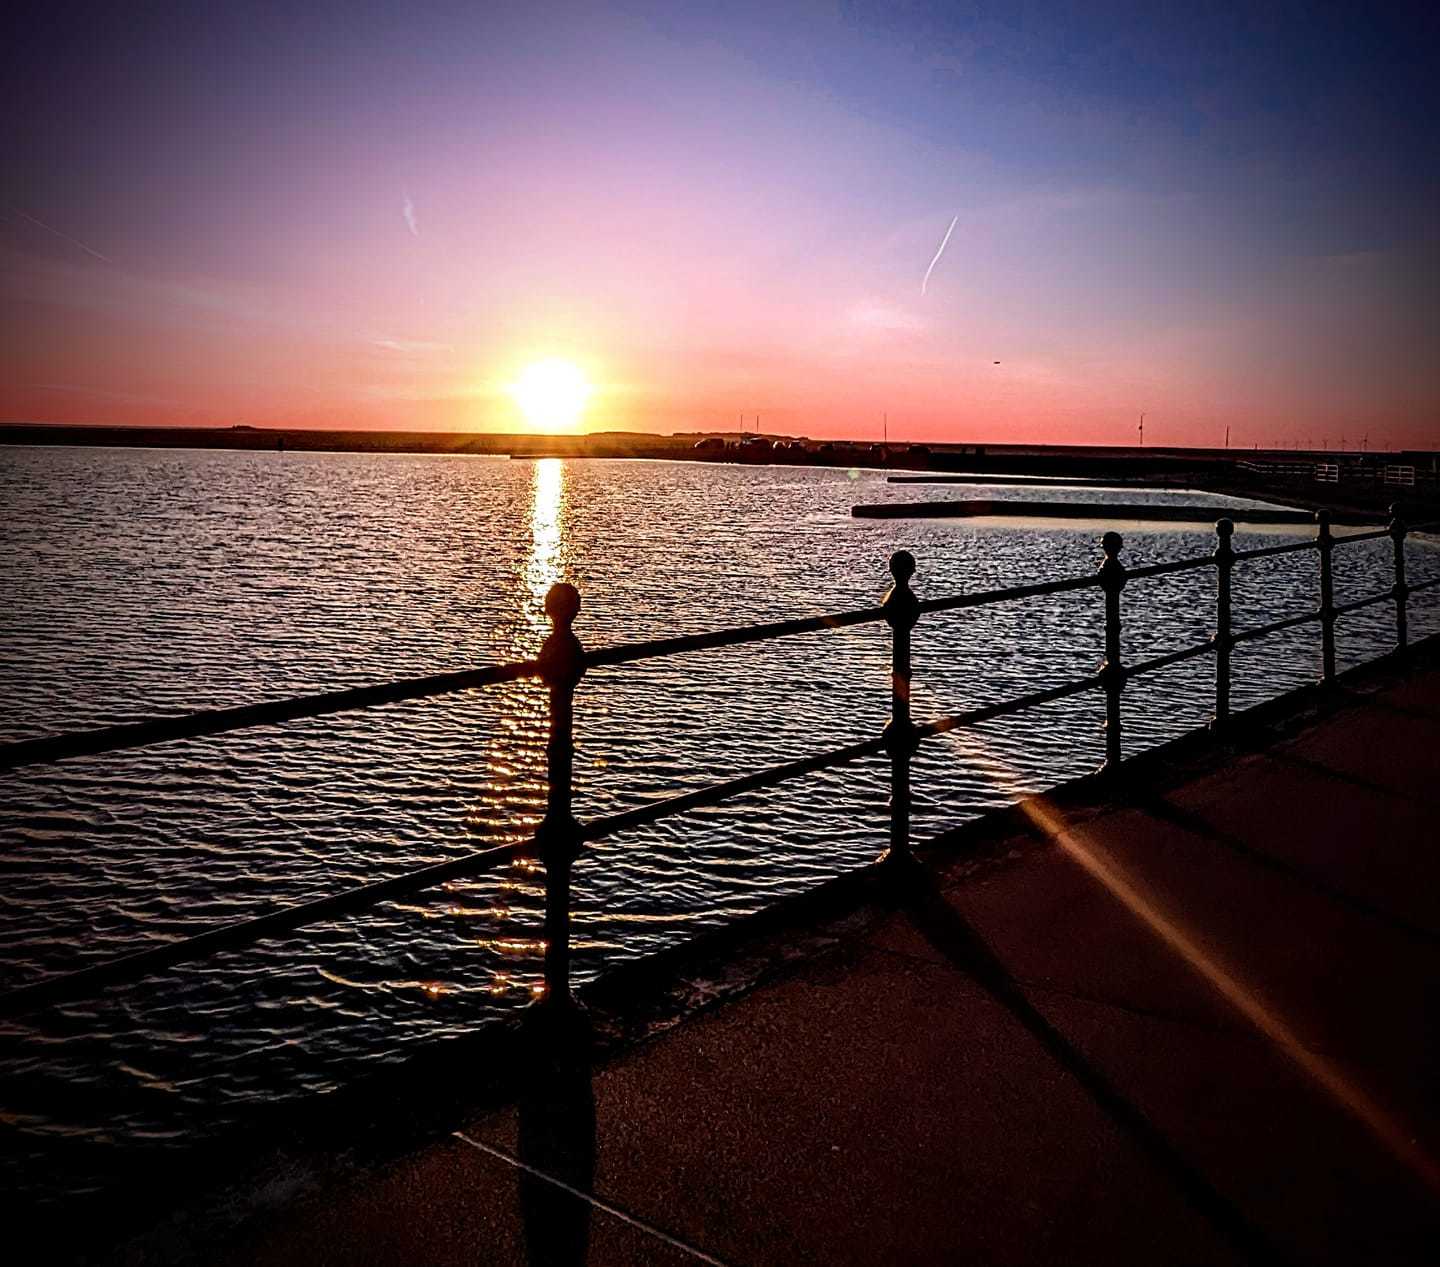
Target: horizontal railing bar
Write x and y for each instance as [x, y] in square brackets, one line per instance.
[219, 721]
[714, 794]
[248, 931]
[597, 828]
[1373, 534]
[1369, 600]
[1175, 565]
[1265, 552]
[1170, 657]
[1275, 626]
[1425, 585]
[983, 598]
[989, 712]
[628, 652]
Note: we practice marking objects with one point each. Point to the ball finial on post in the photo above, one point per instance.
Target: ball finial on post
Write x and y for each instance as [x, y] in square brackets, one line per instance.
[1112, 571]
[562, 604]
[562, 659]
[901, 607]
[1396, 524]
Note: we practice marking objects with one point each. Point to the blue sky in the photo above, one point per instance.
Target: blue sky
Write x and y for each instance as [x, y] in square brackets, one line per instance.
[1221, 213]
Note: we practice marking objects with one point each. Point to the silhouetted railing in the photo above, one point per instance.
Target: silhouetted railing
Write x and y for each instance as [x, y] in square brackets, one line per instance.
[563, 661]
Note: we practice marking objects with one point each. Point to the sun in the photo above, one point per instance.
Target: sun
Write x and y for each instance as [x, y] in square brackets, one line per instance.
[551, 394]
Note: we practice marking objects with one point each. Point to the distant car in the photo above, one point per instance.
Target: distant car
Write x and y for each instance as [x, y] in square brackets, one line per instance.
[710, 444]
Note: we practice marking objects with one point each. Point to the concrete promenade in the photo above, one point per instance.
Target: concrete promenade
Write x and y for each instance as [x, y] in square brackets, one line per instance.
[1198, 1026]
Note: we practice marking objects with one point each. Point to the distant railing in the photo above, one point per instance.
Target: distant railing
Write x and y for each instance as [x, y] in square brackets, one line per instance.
[1277, 470]
[563, 661]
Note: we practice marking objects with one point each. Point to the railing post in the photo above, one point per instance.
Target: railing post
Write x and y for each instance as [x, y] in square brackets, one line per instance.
[902, 611]
[1401, 590]
[1112, 672]
[562, 664]
[1224, 564]
[1327, 598]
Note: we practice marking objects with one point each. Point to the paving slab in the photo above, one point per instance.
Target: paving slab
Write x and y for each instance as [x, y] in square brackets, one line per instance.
[875, 1109]
[454, 1204]
[1198, 1026]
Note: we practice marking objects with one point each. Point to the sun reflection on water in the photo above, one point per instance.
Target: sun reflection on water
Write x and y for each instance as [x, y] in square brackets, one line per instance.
[512, 799]
[545, 565]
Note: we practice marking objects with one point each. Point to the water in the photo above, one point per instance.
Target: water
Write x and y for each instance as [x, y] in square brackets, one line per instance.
[141, 582]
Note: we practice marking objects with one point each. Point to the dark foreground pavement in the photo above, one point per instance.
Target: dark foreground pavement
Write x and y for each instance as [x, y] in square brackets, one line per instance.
[1199, 1028]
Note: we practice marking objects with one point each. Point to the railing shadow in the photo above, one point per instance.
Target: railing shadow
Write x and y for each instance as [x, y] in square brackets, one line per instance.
[1335, 774]
[1166, 811]
[919, 897]
[557, 1139]
[1411, 712]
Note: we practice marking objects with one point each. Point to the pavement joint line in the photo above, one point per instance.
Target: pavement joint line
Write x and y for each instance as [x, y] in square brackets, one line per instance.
[591, 1199]
[1196, 826]
[1143, 1013]
[1030, 984]
[1283, 756]
[1096, 1000]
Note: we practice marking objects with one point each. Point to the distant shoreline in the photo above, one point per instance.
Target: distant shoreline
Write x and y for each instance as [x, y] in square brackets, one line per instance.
[608, 443]
[1272, 475]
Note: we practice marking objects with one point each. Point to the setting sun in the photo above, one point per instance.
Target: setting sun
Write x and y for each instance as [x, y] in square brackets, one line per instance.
[551, 394]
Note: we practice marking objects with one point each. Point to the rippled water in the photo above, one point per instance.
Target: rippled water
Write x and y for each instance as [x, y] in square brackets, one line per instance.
[137, 582]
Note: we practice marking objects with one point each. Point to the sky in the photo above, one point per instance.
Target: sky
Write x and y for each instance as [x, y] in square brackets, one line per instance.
[366, 215]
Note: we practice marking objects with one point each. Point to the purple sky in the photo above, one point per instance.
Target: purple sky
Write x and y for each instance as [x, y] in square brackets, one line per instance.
[377, 216]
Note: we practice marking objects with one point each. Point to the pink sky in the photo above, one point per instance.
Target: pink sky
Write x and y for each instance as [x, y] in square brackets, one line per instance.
[711, 224]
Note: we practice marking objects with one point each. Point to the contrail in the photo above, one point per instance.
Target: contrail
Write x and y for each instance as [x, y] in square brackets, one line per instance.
[89, 250]
[938, 254]
[408, 211]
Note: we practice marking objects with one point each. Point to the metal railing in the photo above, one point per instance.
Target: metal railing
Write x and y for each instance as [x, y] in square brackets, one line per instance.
[563, 662]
